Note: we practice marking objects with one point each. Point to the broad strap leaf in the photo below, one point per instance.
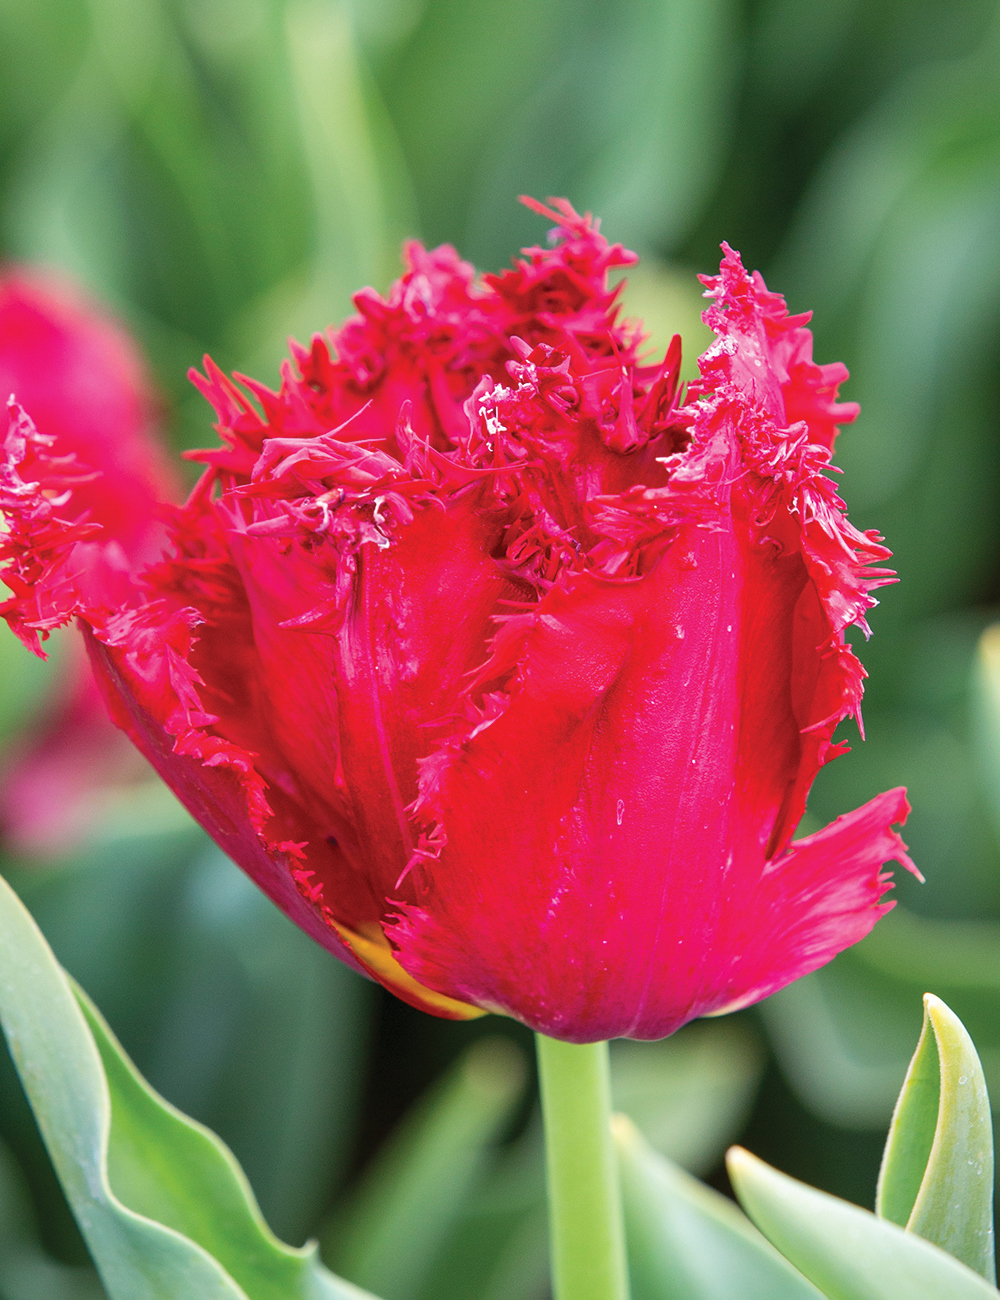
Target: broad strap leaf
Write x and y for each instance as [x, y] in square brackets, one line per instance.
[849, 1253]
[163, 1206]
[688, 1242]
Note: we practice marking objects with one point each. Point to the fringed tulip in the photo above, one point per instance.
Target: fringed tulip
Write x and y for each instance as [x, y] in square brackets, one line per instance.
[87, 388]
[501, 666]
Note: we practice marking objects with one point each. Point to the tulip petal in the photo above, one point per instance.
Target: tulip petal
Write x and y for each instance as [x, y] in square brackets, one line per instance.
[772, 357]
[816, 899]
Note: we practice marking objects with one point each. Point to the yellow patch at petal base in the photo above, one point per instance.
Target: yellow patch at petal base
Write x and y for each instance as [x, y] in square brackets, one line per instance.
[739, 1004]
[371, 948]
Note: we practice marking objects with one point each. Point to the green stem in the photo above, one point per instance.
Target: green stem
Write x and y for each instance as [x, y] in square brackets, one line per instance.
[585, 1207]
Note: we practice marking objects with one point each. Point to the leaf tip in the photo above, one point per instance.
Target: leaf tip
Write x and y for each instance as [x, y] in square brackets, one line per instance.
[739, 1163]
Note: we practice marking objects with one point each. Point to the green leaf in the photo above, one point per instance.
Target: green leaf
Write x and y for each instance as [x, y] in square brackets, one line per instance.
[912, 1131]
[257, 1032]
[162, 1204]
[388, 1235]
[937, 1171]
[688, 1242]
[846, 1251]
[225, 1006]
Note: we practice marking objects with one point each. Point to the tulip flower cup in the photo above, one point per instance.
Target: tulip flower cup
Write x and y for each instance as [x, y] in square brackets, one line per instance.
[503, 664]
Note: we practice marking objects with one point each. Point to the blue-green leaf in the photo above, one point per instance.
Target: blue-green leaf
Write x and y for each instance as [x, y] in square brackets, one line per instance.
[161, 1202]
[846, 1251]
[688, 1242]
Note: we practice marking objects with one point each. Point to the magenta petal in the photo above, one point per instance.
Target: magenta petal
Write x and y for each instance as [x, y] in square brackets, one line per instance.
[725, 941]
[816, 899]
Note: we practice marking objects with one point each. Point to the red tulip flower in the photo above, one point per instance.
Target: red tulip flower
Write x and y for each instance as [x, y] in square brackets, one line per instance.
[501, 669]
[87, 388]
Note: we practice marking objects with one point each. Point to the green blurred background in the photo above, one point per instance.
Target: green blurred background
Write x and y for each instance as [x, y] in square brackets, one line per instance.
[224, 173]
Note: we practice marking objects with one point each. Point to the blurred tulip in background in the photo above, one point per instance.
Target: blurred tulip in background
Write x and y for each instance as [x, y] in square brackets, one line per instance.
[89, 390]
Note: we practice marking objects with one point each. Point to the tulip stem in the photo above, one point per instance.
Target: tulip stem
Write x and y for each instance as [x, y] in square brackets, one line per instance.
[586, 1229]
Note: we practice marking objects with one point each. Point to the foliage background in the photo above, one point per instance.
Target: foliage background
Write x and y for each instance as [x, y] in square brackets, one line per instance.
[226, 172]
